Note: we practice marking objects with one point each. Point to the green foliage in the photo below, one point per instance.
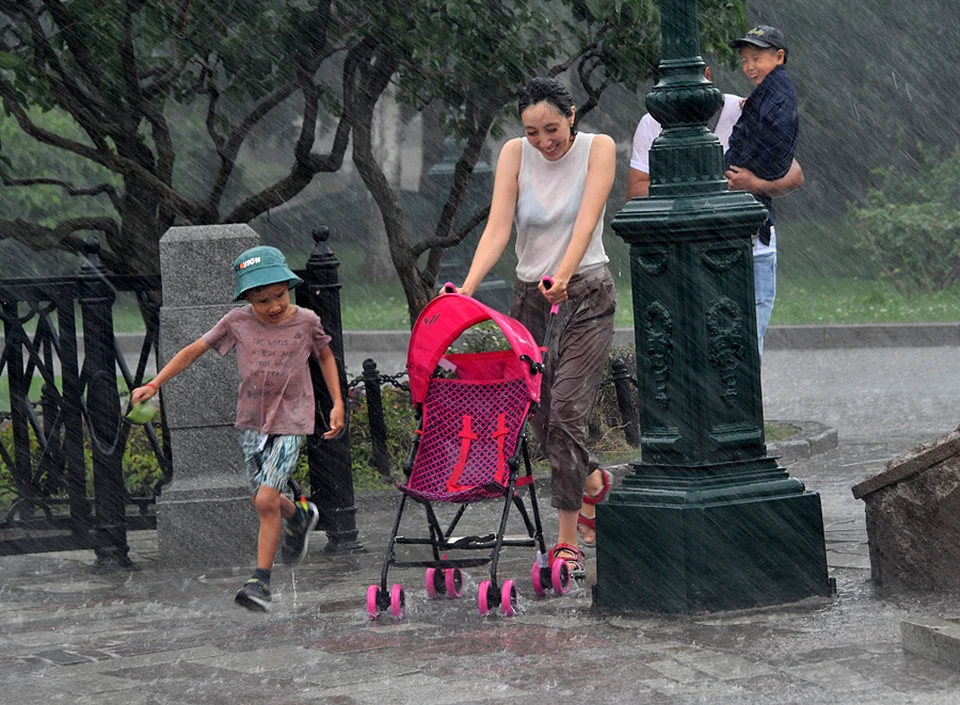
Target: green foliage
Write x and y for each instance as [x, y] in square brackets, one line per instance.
[164, 95]
[24, 157]
[141, 471]
[483, 337]
[401, 425]
[910, 227]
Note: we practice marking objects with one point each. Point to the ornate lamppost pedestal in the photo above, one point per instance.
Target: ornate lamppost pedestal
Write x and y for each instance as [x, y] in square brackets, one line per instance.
[709, 539]
[706, 521]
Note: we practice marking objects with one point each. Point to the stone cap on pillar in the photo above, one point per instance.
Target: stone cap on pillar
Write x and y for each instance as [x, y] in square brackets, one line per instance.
[196, 263]
[918, 460]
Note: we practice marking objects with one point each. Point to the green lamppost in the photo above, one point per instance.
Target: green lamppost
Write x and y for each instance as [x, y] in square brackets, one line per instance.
[706, 521]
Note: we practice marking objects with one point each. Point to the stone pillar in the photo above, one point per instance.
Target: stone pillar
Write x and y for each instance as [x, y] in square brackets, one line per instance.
[204, 517]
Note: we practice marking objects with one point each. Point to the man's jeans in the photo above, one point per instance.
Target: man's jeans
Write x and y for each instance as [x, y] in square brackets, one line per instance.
[765, 286]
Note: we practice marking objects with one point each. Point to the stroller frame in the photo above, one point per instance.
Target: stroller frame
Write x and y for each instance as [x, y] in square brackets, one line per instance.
[443, 573]
[441, 540]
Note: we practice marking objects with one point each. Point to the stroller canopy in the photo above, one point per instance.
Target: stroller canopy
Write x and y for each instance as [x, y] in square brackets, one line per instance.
[443, 320]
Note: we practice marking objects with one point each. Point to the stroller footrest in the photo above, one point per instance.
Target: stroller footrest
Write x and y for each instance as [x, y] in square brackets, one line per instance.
[466, 541]
[447, 563]
[484, 542]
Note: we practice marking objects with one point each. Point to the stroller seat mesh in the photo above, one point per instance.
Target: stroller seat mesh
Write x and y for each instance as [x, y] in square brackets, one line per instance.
[470, 429]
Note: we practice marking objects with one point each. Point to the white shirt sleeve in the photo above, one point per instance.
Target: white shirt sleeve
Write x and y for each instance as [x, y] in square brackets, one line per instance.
[729, 114]
[647, 131]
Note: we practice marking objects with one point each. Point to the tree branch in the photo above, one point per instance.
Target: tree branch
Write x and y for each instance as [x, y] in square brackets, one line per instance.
[453, 240]
[113, 162]
[128, 58]
[311, 164]
[71, 30]
[163, 82]
[72, 190]
[62, 236]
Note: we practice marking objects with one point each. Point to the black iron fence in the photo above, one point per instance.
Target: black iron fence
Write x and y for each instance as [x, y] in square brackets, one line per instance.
[63, 449]
[372, 381]
[64, 452]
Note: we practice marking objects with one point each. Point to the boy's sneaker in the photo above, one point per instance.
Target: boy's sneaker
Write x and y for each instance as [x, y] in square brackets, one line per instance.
[254, 595]
[297, 534]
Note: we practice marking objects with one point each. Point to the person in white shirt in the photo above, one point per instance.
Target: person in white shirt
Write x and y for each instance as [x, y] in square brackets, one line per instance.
[553, 183]
[764, 256]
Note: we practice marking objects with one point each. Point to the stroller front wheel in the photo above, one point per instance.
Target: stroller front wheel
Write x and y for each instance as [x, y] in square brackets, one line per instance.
[560, 577]
[453, 582]
[485, 597]
[509, 598]
[398, 602]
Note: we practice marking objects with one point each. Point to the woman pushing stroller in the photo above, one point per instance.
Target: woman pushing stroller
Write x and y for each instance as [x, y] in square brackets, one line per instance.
[554, 184]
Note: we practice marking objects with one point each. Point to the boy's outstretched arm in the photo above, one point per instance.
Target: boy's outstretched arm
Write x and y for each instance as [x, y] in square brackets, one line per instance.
[181, 361]
[331, 377]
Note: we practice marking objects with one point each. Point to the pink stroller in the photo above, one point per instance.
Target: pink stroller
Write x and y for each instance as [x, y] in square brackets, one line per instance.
[472, 410]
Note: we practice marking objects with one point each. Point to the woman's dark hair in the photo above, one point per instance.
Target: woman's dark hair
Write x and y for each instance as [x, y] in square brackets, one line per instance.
[548, 90]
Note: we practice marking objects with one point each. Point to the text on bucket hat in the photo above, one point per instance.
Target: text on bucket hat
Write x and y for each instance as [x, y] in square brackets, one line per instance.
[261, 266]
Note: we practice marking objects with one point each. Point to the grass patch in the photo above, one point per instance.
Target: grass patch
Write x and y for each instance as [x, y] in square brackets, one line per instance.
[807, 300]
[779, 431]
[822, 278]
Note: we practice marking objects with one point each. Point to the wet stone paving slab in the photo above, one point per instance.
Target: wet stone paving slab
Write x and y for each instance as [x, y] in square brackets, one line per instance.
[156, 637]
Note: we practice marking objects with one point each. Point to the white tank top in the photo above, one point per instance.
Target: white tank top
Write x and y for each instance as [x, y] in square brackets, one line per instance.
[548, 200]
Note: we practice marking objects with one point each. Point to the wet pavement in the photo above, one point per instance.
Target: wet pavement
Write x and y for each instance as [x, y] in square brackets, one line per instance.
[175, 637]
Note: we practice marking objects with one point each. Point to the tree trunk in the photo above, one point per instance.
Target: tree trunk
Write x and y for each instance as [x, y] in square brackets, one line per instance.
[138, 244]
[387, 137]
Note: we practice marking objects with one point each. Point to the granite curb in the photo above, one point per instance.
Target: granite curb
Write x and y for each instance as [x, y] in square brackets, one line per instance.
[782, 337]
[778, 337]
[933, 639]
[814, 438]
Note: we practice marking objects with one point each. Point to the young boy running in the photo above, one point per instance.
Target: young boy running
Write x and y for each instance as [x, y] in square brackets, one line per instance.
[274, 340]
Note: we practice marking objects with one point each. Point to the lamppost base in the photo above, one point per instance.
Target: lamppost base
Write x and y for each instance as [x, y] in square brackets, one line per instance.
[340, 525]
[341, 544]
[700, 546]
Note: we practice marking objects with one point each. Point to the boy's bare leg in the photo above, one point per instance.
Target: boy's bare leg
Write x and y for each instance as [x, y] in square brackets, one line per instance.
[272, 506]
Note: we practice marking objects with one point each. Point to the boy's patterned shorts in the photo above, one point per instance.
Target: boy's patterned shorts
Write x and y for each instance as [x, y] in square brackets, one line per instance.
[273, 463]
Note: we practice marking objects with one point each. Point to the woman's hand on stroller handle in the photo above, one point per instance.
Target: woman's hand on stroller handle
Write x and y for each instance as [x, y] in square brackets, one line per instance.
[555, 290]
[450, 288]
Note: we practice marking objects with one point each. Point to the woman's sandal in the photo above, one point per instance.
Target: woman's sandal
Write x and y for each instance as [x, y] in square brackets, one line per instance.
[576, 562]
[591, 522]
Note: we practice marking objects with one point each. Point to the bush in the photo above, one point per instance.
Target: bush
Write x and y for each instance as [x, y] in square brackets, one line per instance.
[141, 471]
[401, 425]
[911, 228]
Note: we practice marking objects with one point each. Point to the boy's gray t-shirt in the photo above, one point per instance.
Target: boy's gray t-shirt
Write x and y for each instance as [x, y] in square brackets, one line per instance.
[276, 390]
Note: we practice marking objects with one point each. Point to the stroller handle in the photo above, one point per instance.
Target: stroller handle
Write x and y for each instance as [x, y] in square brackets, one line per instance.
[548, 284]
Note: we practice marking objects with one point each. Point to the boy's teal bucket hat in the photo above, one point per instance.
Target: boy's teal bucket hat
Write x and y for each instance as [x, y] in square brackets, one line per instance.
[260, 266]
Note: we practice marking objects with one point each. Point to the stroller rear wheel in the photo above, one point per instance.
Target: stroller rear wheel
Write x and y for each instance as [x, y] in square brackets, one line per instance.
[376, 602]
[398, 602]
[448, 581]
